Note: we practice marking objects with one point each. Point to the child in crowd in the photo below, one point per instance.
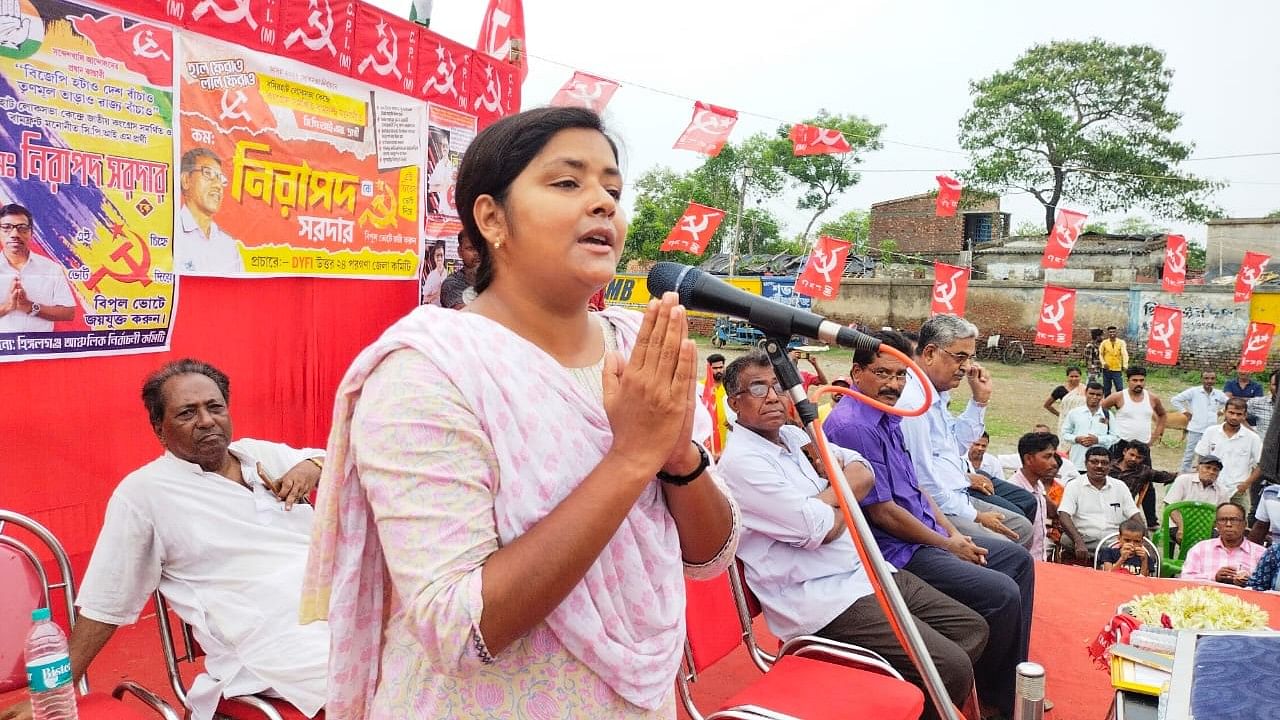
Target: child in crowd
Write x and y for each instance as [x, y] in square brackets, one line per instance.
[1130, 555]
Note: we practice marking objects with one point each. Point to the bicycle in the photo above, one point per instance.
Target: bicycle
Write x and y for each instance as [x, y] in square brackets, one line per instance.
[1014, 353]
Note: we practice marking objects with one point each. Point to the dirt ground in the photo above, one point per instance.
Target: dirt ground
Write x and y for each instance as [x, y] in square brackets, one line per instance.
[1017, 403]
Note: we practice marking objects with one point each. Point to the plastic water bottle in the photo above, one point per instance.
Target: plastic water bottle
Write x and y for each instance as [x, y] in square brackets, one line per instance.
[53, 695]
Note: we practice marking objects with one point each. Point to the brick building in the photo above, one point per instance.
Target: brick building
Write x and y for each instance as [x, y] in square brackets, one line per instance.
[913, 224]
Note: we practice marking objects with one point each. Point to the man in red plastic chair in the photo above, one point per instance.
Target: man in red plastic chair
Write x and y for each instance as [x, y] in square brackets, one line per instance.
[799, 558]
[222, 529]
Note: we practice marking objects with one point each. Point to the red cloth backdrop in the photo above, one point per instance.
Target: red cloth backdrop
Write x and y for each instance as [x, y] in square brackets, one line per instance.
[75, 427]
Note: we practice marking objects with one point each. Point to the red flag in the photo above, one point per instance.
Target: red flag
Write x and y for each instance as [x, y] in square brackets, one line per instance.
[1165, 336]
[713, 409]
[495, 89]
[385, 49]
[708, 130]
[444, 71]
[694, 229]
[251, 23]
[1057, 313]
[144, 49]
[948, 196]
[1257, 345]
[822, 273]
[1174, 277]
[1066, 230]
[813, 140]
[317, 32]
[170, 11]
[502, 34]
[950, 286]
[585, 90]
[1251, 269]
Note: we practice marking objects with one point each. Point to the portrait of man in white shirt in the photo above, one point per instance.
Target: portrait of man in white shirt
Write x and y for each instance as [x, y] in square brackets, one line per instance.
[34, 292]
[202, 247]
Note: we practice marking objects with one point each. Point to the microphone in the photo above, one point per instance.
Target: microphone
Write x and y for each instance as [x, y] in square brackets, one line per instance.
[701, 291]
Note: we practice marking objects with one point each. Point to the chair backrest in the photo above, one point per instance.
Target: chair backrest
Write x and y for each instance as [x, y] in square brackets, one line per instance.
[1197, 523]
[25, 576]
[711, 621]
[1113, 540]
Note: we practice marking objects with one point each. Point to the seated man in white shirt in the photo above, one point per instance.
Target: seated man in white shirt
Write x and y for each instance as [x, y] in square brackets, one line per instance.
[222, 529]
[1093, 507]
[1203, 485]
[799, 558]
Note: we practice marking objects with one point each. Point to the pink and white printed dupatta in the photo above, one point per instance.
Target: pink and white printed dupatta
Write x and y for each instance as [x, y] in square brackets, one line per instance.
[624, 620]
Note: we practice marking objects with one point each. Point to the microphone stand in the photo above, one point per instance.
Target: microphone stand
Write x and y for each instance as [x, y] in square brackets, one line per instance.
[865, 542]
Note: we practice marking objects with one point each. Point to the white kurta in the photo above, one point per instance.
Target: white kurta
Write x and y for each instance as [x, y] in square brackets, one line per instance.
[230, 562]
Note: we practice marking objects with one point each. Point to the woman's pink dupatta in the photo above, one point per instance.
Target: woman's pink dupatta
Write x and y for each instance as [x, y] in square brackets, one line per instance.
[624, 620]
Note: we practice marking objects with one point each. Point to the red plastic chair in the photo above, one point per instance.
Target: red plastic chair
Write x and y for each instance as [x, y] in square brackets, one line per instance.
[27, 586]
[242, 707]
[811, 678]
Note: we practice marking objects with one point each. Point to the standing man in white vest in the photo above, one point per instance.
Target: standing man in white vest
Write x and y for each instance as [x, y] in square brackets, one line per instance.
[1134, 409]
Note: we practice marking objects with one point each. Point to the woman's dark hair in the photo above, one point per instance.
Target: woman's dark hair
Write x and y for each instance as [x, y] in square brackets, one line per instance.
[153, 386]
[430, 261]
[499, 154]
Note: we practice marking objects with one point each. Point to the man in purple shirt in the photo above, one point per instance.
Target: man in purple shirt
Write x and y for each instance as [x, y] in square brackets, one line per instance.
[993, 576]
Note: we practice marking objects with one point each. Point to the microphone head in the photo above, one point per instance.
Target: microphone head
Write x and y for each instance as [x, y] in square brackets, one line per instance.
[673, 277]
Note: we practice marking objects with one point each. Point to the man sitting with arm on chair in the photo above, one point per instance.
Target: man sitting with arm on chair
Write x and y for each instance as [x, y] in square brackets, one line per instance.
[222, 529]
[798, 555]
[1094, 507]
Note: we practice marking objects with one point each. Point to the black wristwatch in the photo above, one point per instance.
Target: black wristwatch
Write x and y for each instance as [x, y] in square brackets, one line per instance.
[704, 460]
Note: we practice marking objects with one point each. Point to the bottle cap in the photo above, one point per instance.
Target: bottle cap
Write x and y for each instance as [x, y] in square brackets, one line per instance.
[40, 614]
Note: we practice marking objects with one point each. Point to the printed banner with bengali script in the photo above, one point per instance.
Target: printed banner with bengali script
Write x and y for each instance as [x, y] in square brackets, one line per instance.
[86, 145]
[286, 169]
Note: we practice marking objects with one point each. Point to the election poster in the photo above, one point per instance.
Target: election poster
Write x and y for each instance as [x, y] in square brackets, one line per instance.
[86, 143]
[449, 134]
[288, 170]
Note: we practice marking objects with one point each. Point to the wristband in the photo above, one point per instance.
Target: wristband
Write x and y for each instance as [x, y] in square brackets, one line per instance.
[704, 461]
[317, 461]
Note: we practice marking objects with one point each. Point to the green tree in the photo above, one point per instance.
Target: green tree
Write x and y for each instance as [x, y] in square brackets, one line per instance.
[1093, 227]
[1273, 214]
[1137, 225]
[1196, 256]
[821, 179]
[852, 226]
[1084, 122]
[1029, 228]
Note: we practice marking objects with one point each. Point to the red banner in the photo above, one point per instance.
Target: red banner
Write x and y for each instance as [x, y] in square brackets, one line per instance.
[709, 402]
[444, 71]
[1257, 345]
[251, 23]
[1174, 277]
[1165, 336]
[170, 11]
[708, 130]
[950, 287]
[822, 273]
[585, 90]
[948, 196]
[144, 49]
[694, 229]
[813, 140]
[1066, 230]
[1251, 269]
[386, 49]
[318, 32]
[1057, 314]
[502, 35]
[495, 89]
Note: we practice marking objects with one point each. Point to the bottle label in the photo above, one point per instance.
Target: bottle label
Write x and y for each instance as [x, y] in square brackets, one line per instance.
[49, 673]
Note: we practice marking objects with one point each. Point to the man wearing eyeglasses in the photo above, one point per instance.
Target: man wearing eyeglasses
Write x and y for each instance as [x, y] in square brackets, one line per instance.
[34, 292]
[203, 248]
[939, 443]
[1229, 558]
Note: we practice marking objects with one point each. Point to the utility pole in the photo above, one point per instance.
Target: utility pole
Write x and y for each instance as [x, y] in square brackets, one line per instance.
[737, 223]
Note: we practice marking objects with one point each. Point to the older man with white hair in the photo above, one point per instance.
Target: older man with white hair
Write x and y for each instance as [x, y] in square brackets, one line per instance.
[939, 443]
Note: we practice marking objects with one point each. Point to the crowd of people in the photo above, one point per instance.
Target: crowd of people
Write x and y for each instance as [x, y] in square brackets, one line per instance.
[510, 537]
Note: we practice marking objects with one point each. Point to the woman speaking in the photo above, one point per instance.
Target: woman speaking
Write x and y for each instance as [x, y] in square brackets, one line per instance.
[523, 470]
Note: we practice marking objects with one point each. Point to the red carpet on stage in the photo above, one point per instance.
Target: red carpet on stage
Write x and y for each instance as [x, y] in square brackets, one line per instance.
[1072, 605]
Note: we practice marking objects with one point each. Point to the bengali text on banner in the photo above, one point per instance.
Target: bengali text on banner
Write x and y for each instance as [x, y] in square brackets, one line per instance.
[86, 145]
[286, 169]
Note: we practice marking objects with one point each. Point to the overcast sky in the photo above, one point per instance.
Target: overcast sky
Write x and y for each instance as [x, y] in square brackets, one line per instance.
[903, 64]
